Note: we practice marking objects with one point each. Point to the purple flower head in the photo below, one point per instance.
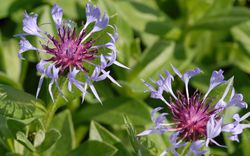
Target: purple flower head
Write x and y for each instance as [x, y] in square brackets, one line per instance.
[195, 119]
[80, 57]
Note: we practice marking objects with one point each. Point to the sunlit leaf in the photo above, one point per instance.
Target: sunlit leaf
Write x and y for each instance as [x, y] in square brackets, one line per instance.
[18, 104]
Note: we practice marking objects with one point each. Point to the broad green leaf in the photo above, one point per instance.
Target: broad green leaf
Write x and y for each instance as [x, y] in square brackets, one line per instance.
[2, 150]
[18, 104]
[63, 123]
[241, 34]
[223, 20]
[11, 62]
[94, 148]
[218, 5]
[4, 79]
[80, 133]
[245, 142]
[4, 8]
[4, 129]
[51, 137]
[142, 17]
[99, 133]
[218, 92]
[124, 30]
[135, 53]
[137, 111]
[15, 125]
[232, 53]
[195, 9]
[153, 60]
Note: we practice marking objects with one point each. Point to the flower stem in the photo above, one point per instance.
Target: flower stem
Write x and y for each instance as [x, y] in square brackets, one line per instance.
[52, 107]
[50, 114]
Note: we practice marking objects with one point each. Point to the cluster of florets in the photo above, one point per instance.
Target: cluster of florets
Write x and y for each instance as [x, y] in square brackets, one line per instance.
[82, 60]
[70, 54]
[196, 120]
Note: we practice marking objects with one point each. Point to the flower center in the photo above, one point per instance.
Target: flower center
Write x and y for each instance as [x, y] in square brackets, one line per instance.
[68, 51]
[191, 115]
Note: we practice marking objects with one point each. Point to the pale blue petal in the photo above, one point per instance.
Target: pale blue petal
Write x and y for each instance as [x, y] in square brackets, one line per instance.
[103, 62]
[57, 13]
[110, 78]
[216, 79]
[101, 23]
[30, 25]
[84, 94]
[234, 138]
[195, 148]
[189, 74]
[40, 66]
[150, 131]
[39, 85]
[154, 111]
[94, 91]
[24, 46]
[121, 65]
[214, 128]
[237, 100]
[92, 14]
[177, 72]
[50, 90]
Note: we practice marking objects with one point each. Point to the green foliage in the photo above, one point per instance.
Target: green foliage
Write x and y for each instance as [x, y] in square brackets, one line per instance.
[209, 34]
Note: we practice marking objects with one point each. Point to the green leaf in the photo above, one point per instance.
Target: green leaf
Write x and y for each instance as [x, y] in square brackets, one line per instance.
[4, 8]
[241, 34]
[223, 20]
[99, 133]
[153, 60]
[233, 54]
[63, 123]
[137, 111]
[4, 79]
[51, 137]
[80, 133]
[10, 61]
[15, 125]
[218, 92]
[143, 17]
[94, 148]
[18, 104]
[245, 142]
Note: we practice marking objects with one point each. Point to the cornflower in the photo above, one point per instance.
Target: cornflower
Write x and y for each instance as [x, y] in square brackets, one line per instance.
[197, 119]
[81, 57]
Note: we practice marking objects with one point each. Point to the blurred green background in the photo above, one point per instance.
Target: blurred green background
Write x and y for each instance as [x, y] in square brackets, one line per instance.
[209, 34]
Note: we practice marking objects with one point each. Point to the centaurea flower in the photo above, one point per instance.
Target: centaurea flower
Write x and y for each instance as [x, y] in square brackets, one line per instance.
[70, 55]
[196, 119]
